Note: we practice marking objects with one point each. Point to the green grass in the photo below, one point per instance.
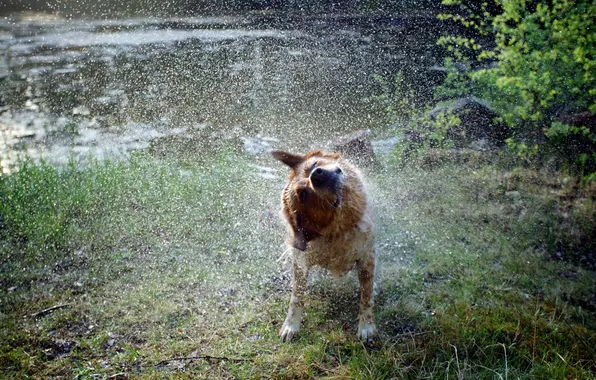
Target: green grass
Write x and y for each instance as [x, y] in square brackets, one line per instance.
[482, 274]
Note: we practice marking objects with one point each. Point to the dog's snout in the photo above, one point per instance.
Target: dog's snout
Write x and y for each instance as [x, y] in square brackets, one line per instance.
[326, 177]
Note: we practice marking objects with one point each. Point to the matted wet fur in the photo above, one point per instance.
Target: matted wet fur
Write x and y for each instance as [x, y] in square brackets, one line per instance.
[329, 225]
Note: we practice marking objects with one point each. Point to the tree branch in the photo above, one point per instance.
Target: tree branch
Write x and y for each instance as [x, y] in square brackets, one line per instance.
[49, 310]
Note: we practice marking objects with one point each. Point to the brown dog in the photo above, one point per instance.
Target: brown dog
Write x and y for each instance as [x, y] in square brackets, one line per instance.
[329, 225]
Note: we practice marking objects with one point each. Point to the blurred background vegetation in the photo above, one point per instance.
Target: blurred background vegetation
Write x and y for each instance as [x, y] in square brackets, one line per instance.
[534, 62]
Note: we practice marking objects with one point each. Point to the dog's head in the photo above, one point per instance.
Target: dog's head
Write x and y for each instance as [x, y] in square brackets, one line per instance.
[314, 195]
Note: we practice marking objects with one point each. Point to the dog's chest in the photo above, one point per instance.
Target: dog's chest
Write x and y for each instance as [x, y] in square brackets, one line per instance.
[338, 254]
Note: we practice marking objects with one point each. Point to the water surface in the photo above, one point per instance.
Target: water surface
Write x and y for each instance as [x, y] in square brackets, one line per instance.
[108, 87]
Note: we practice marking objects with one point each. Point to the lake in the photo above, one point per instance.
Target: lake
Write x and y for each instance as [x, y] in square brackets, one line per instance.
[105, 88]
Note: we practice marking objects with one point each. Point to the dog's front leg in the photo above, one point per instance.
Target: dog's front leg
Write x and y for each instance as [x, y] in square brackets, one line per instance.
[291, 325]
[366, 318]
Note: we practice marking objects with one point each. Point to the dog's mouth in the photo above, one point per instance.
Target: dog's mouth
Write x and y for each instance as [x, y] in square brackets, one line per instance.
[338, 197]
[330, 181]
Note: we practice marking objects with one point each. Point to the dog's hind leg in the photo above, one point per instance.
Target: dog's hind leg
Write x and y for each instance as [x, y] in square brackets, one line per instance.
[366, 318]
[293, 320]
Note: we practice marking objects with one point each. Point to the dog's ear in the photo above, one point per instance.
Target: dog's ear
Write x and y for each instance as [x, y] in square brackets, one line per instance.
[292, 160]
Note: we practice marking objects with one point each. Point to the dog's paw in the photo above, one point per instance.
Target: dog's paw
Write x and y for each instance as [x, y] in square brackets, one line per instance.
[366, 331]
[289, 330]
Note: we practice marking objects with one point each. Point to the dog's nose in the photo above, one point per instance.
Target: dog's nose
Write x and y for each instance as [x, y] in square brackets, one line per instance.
[327, 178]
[319, 175]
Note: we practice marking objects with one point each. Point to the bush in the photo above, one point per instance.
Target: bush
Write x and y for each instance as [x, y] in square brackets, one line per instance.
[544, 83]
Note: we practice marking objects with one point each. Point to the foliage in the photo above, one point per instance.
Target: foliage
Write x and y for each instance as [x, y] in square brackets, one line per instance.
[475, 16]
[457, 82]
[546, 65]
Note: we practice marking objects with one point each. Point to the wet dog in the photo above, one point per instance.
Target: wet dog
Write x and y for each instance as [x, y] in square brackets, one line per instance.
[329, 225]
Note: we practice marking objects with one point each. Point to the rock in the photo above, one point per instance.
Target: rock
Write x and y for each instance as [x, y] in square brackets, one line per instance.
[477, 123]
[357, 147]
